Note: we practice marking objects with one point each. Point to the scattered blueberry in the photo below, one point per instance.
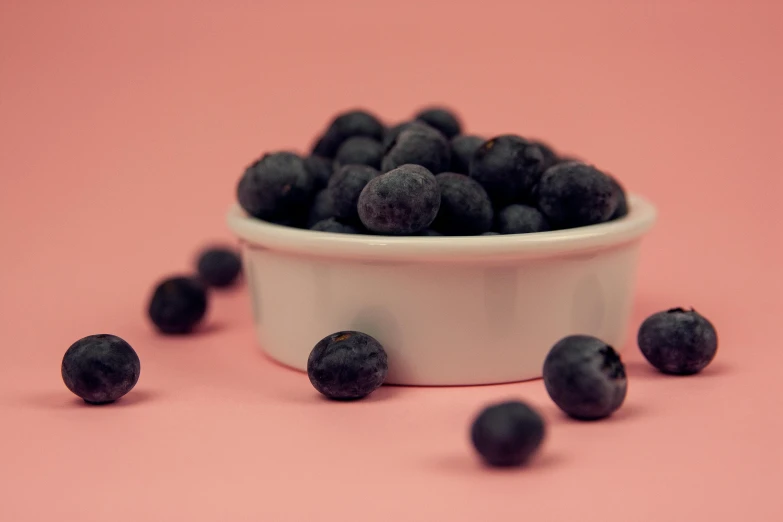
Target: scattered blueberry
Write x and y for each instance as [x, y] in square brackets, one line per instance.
[276, 187]
[441, 119]
[622, 201]
[344, 188]
[219, 267]
[100, 368]
[347, 125]
[507, 434]
[320, 170]
[585, 377]
[575, 195]
[322, 208]
[521, 219]
[465, 208]
[332, 225]
[403, 201]
[178, 304]
[347, 365]
[678, 341]
[463, 148]
[418, 144]
[360, 150]
[508, 167]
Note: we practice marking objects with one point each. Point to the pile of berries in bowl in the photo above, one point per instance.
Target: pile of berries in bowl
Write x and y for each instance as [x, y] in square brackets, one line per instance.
[424, 177]
[466, 257]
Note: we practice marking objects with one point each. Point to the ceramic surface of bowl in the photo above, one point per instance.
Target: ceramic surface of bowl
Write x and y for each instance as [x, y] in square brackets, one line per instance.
[448, 310]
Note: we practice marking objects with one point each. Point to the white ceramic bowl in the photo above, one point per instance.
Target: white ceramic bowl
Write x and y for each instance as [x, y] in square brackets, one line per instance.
[448, 310]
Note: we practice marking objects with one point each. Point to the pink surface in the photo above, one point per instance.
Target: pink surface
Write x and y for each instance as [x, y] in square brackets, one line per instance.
[123, 130]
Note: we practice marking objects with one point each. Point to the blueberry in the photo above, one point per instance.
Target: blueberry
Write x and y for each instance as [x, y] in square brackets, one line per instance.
[465, 208]
[347, 125]
[678, 342]
[360, 150]
[347, 365]
[332, 225]
[521, 219]
[320, 170]
[320, 147]
[418, 144]
[550, 156]
[508, 167]
[344, 188]
[178, 304]
[507, 433]
[297, 218]
[575, 195]
[276, 187]
[441, 119]
[100, 368]
[462, 150]
[219, 267]
[585, 377]
[392, 132]
[403, 201]
[622, 201]
[322, 208]
[568, 158]
[429, 233]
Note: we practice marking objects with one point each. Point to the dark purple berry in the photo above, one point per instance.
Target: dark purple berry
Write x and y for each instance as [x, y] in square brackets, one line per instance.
[334, 226]
[100, 368]
[463, 148]
[508, 167]
[347, 125]
[521, 219]
[465, 208]
[403, 201]
[347, 365]
[219, 267]
[320, 170]
[568, 158]
[296, 219]
[622, 201]
[418, 144]
[360, 150]
[678, 341]
[585, 377]
[441, 119]
[178, 304]
[322, 208]
[320, 147]
[507, 433]
[549, 155]
[344, 188]
[575, 195]
[276, 188]
[392, 132]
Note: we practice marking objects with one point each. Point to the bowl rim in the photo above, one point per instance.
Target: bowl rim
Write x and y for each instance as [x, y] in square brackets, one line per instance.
[260, 234]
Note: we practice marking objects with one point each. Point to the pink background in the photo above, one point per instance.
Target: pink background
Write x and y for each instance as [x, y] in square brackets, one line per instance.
[124, 128]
